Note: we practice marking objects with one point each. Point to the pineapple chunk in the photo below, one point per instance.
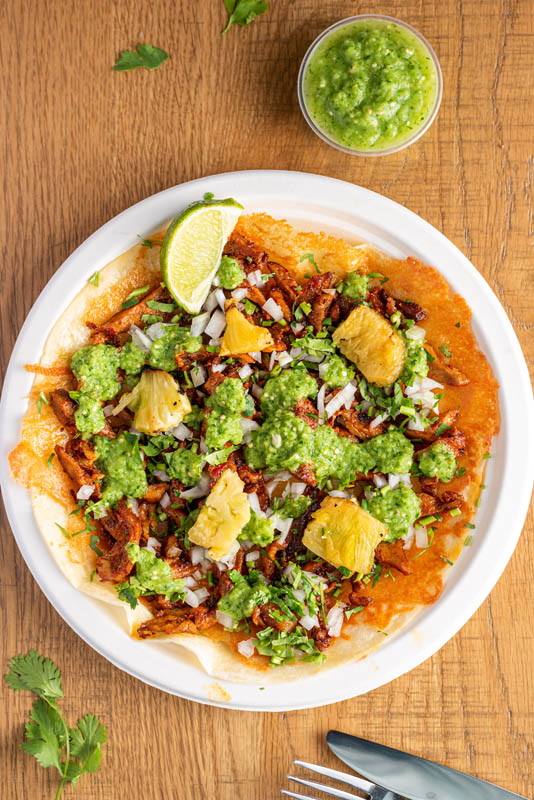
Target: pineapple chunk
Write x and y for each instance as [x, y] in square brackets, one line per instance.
[373, 344]
[345, 535]
[222, 517]
[157, 403]
[241, 336]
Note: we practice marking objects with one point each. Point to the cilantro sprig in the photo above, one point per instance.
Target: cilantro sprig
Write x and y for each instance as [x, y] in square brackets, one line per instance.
[145, 55]
[242, 12]
[72, 751]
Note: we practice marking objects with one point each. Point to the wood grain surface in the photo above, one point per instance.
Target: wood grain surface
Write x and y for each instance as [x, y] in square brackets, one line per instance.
[81, 143]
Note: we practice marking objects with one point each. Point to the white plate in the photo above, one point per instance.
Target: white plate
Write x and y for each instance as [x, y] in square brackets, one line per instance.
[313, 203]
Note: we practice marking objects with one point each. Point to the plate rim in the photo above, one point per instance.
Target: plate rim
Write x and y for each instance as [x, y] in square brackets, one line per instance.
[522, 393]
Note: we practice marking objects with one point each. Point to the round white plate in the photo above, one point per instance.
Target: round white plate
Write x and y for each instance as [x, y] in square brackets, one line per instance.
[313, 203]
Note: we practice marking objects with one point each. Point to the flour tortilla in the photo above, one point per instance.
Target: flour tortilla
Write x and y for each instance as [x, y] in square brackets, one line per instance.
[51, 506]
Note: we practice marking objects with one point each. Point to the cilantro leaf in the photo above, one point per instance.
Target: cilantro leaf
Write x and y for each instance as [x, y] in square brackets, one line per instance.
[85, 741]
[72, 751]
[45, 735]
[36, 674]
[145, 55]
[241, 12]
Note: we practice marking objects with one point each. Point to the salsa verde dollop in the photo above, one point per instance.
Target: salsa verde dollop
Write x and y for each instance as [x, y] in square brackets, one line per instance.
[370, 85]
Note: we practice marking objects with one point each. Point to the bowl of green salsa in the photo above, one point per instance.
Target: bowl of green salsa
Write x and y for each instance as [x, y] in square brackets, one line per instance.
[370, 85]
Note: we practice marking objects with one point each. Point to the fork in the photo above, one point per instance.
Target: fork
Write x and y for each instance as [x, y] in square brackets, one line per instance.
[370, 790]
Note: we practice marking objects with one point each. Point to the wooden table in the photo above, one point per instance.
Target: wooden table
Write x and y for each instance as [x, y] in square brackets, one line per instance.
[80, 144]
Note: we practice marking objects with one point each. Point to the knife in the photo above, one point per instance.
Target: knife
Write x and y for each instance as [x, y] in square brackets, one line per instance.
[413, 777]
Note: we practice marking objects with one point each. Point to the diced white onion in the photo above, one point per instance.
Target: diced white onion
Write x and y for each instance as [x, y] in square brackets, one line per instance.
[198, 325]
[255, 504]
[98, 513]
[393, 480]
[313, 359]
[216, 325]
[300, 594]
[165, 501]
[272, 360]
[107, 410]
[258, 276]
[276, 440]
[320, 403]
[190, 582]
[295, 352]
[297, 327]
[273, 309]
[334, 621]
[203, 446]
[211, 303]
[161, 475]
[256, 356]
[342, 398]
[133, 504]
[221, 298]
[249, 425]
[254, 556]
[229, 559]
[216, 281]
[421, 537]
[284, 358]
[297, 488]
[428, 383]
[379, 481]
[244, 371]
[139, 339]
[191, 599]
[408, 538]
[152, 544]
[218, 367]
[406, 478]
[197, 555]
[415, 332]
[85, 491]
[257, 391]
[198, 376]
[173, 551]
[284, 526]
[155, 331]
[416, 424]
[377, 421]
[246, 647]
[181, 432]
[308, 622]
[339, 493]
[134, 431]
[202, 594]
[239, 294]
[200, 490]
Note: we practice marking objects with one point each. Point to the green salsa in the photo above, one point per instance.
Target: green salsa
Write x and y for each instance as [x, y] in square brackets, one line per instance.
[370, 85]
[438, 461]
[241, 601]
[95, 366]
[186, 466]
[174, 340]
[120, 461]
[396, 508]
[258, 530]
[153, 576]
[355, 286]
[89, 417]
[230, 273]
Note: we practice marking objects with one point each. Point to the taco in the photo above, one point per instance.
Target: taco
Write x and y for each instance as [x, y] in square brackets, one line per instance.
[279, 482]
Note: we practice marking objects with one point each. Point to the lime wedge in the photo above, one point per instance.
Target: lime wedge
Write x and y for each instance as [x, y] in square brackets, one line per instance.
[193, 247]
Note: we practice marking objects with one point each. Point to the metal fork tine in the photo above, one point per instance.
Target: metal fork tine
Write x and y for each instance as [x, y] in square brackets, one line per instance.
[298, 796]
[342, 777]
[322, 787]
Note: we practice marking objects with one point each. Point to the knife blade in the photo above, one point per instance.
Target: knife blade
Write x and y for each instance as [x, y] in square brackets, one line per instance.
[413, 777]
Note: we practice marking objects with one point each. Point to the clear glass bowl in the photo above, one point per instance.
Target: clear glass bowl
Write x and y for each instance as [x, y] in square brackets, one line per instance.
[401, 145]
